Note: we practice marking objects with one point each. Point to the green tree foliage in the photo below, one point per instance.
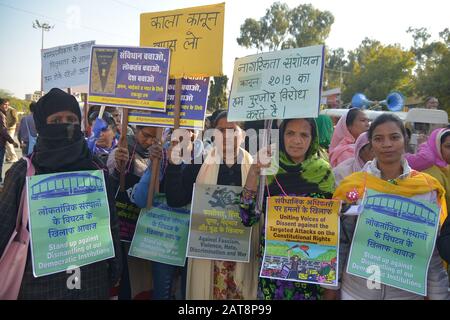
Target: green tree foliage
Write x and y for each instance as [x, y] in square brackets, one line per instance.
[282, 27]
[428, 53]
[337, 68]
[434, 80]
[433, 59]
[217, 98]
[377, 70]
[309, 26]
[18, 104]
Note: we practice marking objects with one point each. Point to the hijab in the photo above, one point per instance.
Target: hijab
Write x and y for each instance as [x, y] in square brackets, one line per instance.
[434, 145]
[428, 153]
[325, 129]
[59, 147]
[311, 177]
[342, 143]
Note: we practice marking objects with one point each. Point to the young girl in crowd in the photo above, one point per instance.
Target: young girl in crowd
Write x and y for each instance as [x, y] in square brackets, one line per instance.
[363, 153]
[347, 130]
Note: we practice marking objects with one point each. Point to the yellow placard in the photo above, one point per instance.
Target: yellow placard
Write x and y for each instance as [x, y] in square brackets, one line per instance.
[297, 219]
[194, 35]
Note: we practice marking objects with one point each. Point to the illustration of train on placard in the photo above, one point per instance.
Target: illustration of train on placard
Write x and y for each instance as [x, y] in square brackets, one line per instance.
[67, 184]
[396, 206]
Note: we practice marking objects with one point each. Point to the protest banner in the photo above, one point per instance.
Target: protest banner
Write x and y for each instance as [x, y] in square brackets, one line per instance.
[130, 77]
[69, 221]
[194, 96]
[195, 38]
[194, 35]
[123, 143]
[216, 231]
[161, 233]
[282, 84]
[394, 238]
[66, 66]
[302, 240]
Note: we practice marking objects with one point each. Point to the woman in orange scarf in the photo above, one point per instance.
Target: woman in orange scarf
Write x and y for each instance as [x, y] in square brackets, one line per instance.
[388, 173]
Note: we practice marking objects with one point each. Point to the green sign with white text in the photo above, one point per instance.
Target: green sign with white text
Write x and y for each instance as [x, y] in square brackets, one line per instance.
[161, 233]
[395, 238]
[69, 221]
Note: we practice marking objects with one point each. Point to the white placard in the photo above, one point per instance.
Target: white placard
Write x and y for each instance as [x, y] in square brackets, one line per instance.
[66, 66]
[282, 84]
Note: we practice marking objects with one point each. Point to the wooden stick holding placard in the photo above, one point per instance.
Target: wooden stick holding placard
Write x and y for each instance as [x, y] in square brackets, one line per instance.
[123, 143]
[177, 107]
[85, 113]
[262, 178]
[155, 175]
[154, 182]
[101, 112]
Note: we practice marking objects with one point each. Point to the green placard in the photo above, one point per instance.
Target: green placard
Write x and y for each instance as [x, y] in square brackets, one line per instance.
[161, 233]
[395, 238]
[69, 221]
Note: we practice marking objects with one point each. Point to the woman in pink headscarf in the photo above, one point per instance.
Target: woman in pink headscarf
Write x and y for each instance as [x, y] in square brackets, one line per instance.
[347, 130]
[363, 153]
[433, 157]
[428, 153]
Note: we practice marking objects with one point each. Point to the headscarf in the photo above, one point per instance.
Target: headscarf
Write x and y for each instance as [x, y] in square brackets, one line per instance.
[59, 147]
[434, 144]
[428, 153]
[361, 142]
[342, 143]
[54, 101]
[325, 129]
[354, 164]
[415, 184]
[310, 177]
